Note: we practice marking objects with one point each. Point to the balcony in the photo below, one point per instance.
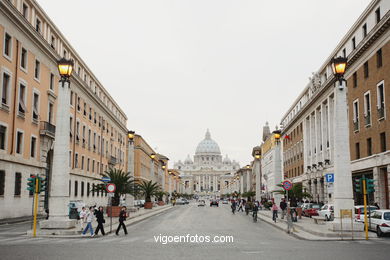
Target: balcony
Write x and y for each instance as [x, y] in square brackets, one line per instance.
[381, 113]
[47, 129]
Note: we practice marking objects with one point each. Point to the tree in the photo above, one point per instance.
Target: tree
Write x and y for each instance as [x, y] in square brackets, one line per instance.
[160, 194]
[296, 193]
[124, 182]
[148, 189]
[249, 195]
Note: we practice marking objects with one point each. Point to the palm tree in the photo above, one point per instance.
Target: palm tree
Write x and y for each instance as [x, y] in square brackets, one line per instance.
[148, 189]
[124, 182]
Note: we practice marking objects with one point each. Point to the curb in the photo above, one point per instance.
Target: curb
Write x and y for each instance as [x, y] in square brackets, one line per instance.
[131, 221]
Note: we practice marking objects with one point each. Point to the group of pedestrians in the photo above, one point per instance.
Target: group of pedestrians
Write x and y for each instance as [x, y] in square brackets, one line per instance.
[247, 205]
[87, 218]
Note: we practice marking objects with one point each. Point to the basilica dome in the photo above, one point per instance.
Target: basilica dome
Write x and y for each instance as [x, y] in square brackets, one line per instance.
[208, 146]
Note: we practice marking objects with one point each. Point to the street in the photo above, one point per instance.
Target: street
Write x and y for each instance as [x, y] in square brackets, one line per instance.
[251, 241]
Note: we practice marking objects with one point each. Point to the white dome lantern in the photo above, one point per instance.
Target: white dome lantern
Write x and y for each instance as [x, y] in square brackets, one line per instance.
[208, 146]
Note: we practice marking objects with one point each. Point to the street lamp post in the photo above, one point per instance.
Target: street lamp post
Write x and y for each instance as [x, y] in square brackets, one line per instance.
[152, 156]
[130, 159]
[277, 169]
[59, 188]
[257, 171]
[343, 195]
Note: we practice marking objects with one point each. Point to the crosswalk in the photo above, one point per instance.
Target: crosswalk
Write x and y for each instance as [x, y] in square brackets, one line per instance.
[24, 240]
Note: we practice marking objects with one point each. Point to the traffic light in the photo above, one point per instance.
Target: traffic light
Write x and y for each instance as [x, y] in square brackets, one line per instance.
[358, 185]
[370, 186]
[42, 184]
[31, 183]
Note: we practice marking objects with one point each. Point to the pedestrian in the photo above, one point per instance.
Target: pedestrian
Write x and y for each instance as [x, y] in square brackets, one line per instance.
[89, 218]
[82, 215]
[240, 206]
[234, 205]
[247, 205]
[274, 212]
[122, 219]
[283, 207]
[100, 220]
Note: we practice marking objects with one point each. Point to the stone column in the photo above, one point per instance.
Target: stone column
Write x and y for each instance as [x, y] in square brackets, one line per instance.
[343, 196]
[170, 185]
[248, 180]
[257, 171]
[59, 189]
[209, 186]
[320, 189]
[379, 183]
[198, 183]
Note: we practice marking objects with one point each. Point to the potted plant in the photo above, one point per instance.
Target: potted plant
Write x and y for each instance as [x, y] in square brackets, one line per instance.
[160, 197]
[125, 184]
[148, 189]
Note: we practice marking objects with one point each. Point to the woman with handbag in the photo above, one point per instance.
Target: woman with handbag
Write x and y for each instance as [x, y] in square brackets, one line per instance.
[100, 220]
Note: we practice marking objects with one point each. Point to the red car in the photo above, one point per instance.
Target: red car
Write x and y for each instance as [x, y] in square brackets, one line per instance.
[311, 210]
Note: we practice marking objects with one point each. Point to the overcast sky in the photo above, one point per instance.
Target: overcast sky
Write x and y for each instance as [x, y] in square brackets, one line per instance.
[179, 67]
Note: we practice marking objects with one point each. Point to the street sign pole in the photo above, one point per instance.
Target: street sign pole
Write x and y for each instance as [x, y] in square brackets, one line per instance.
[35, 207]
[110, 214]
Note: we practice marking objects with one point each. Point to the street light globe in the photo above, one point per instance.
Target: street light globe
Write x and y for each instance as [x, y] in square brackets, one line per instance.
[153, 156]
[130, 135]
[248, 166]
[65, 67]
[257, 156]
[339, 65]
[163, 167]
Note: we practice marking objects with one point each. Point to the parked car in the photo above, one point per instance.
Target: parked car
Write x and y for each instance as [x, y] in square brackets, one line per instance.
[225, 202]
[214, 203]
[139, 203]
[201, 203]
[359, 212]
[326, 212]
[181, 201]
[380, 221]
[311, 210]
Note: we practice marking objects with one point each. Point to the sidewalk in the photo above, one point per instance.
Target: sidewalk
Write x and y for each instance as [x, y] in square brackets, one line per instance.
[134, 217]
[306, 229]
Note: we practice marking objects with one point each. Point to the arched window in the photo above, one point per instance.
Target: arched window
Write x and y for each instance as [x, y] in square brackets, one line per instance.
[76, 185]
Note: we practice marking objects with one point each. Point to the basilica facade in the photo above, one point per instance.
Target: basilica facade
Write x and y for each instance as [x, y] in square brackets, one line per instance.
[207, 173]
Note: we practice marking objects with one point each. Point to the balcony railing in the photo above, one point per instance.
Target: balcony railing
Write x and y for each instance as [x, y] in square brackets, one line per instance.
[381, 112]
[367, 120]
[356, 125]
[47, 129]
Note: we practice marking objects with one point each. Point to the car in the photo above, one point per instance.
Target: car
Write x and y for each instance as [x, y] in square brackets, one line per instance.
[380, 221]
[181, 201]
[201, 203]
[311, 210]
[186, 201]
[139, 203]
[327, 212]
[214, 203]
[359, 212]
[225, 202]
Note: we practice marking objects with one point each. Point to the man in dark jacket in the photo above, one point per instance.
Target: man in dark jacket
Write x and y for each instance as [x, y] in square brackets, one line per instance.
[122, 219]
[283, 207]
[100, 220]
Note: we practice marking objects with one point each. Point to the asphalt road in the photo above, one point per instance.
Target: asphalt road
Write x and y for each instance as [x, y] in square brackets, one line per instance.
[250, 241]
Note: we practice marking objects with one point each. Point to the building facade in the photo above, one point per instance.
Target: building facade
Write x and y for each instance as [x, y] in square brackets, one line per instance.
[31, 46]
[208, 172]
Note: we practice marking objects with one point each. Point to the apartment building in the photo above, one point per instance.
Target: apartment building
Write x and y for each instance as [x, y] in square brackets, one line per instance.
[366, 47]
[31, 46]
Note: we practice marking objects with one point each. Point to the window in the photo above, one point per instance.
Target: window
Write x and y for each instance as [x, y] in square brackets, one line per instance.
[35, 106]
[33, 146]
[76, 186]
[354, 78]
[383, 141]
[22, 99]
[353, 43]
[77, 130]
[378, 15]
[2, 182]
[25, 11]
[53, 42]
[88, 188]
[71, 98]
[76, 160]
[379, 61]
[82, 162]
[70, 158]
[23, 59]
[367, 108]
[366, 69]
[18, 184]
[364, 30]
[7, 45]
[50, 113]
[5, 88]
[381, 100]
[78, 104]
[64, 54]
[38, 25]
[356, 114]
[88, 161]
[3, 136]
[93, 190]
[19, 142]
[93, 166]
[344, 53]
[85, 109]
[82, 189]
[51, 81]
[357, 151]
[369, 146]
[37, 70]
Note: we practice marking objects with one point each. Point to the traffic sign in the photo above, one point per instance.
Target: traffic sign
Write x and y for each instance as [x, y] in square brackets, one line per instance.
[329, 177]
[110, 187]
[106, 179]
[287, 185]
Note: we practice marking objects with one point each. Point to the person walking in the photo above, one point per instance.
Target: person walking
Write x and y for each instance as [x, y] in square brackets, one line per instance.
[240, 206]
[234, 205]
[122, 219]
[100, 220]
[274, 211]
[283, 207]
[82, 215]
[89, 218]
